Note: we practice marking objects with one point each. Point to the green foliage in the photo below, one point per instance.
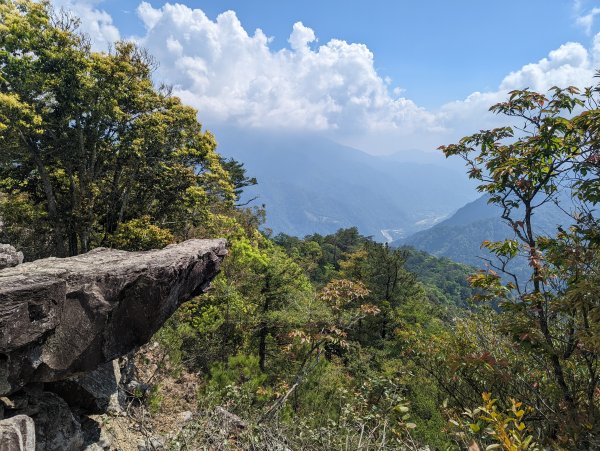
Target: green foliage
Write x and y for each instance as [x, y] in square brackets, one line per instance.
[326, 342]
[141, 234]
[321, 255]
[88, 140]
[444, 280]
[171, 338]
[239, 382]
[25, 225]
[487, 425]
[548, 314]
[239, 179]
[154, 399]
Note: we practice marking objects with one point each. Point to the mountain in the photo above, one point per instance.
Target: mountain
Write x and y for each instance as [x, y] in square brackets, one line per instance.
[313, 185]
[460, 236]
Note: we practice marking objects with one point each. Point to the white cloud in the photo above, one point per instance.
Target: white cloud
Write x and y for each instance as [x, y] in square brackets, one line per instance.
[149, 15]
[233, 76]
[585, 19]
[569, 65]
[301, 36]
[94, 22]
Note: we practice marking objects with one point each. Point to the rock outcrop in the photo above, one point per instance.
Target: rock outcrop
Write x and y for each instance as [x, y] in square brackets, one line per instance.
[93, 392]
[63, 317]
[56, 426]
[9, 256]
[63, 322]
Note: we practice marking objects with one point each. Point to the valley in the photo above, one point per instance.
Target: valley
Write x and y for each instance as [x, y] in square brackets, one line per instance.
[309, 184]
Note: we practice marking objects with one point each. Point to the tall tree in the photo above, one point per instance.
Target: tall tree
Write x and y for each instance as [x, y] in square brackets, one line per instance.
[553, 149]
[381, 269]
[87, 136]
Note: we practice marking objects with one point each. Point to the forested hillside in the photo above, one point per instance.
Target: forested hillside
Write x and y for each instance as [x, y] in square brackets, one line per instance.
[460, 236]
[331, 341]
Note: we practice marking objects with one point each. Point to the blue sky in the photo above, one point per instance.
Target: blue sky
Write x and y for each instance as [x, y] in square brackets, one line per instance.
[380, 75]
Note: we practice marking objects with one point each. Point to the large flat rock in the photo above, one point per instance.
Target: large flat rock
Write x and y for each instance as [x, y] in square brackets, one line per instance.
[60, 317]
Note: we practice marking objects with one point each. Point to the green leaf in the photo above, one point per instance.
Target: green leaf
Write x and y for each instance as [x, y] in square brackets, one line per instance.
[475, 427]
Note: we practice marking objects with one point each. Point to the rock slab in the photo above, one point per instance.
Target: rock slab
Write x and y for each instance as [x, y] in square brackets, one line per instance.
[95, 392]
[63, 317]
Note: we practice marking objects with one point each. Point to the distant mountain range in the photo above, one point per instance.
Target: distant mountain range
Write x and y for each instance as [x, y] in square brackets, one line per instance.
[310, 184]
[460, 236]
[313, 185]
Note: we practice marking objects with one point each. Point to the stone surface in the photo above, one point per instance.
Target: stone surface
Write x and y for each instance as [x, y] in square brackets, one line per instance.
[97, 433]
[185, 417]
[17, 434]
[151, 444]
[231, 419]
[9, 256]
[55, 426]
[62, 317]
[94, 392]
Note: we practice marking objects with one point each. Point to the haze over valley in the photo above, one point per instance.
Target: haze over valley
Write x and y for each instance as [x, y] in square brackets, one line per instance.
[310, 184]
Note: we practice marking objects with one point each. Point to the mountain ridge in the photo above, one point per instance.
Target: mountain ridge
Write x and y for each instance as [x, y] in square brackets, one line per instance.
[459, 237]
[313, 185]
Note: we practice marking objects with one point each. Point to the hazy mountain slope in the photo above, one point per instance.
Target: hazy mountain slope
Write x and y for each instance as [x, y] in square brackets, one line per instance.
[309, 184]
[459, 237]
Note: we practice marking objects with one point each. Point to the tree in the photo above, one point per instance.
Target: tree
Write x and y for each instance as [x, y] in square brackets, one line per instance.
[239, 179]
[550, 315]
[381, 269]
[87, 137]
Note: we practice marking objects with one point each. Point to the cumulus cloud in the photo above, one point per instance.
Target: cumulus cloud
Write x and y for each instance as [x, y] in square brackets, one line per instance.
[231, 75]
[95, 22]
[569, 65]
[301, 36]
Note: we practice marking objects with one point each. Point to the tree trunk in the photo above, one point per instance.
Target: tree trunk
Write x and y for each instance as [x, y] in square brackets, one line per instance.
[543, 320]
[263, 332]
[57, 227]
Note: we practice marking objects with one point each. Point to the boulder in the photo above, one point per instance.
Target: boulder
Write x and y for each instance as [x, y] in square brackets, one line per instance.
[56, 428]
[98, 436]
[9, 256]
[94, 392]
[63, 317]
[17, 434]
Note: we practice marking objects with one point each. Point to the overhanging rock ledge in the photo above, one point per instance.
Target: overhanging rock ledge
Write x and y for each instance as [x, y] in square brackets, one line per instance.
[61, 317]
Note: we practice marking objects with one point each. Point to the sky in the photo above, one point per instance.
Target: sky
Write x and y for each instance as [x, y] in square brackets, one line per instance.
[381, 75]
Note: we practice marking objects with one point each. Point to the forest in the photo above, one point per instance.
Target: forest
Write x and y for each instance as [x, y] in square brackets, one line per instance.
[327, 341]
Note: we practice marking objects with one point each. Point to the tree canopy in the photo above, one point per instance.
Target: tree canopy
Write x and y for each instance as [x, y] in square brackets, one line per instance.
[553, 313]
[89, 144]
